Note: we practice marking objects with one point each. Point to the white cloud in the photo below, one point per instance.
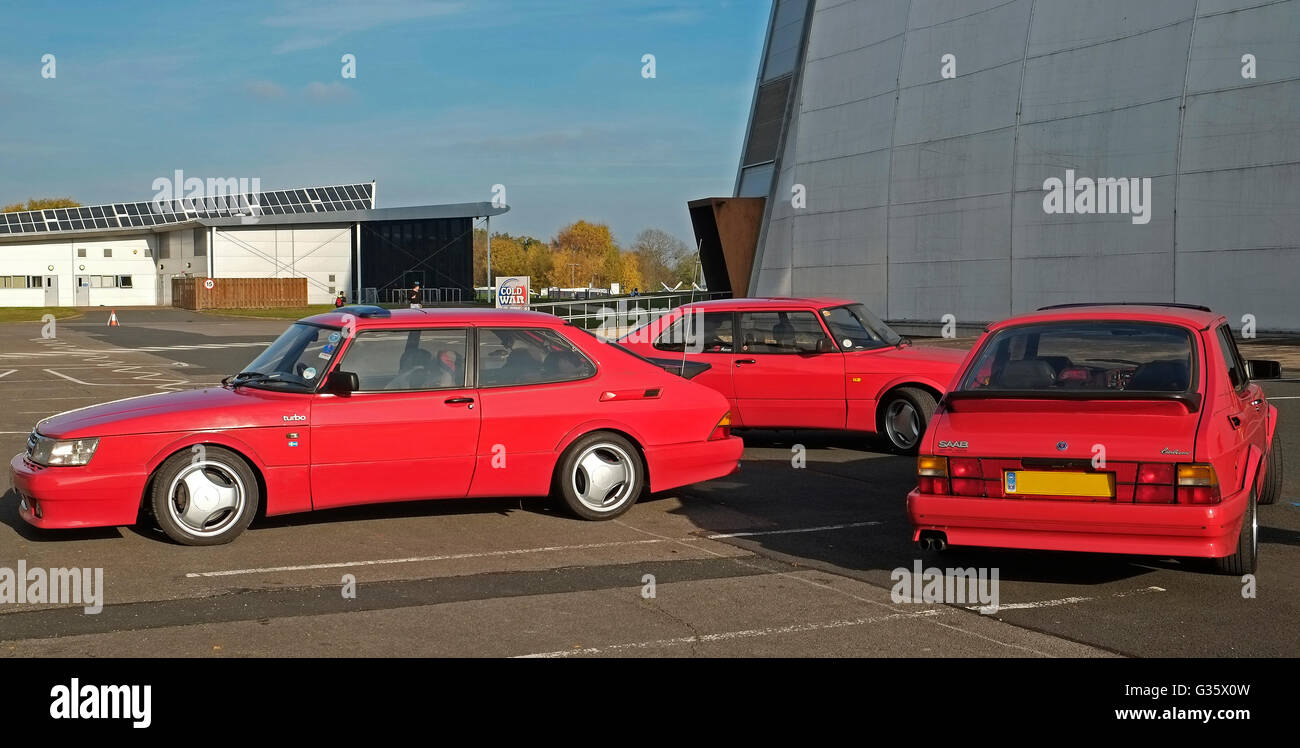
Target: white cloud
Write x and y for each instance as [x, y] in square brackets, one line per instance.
[316, 24]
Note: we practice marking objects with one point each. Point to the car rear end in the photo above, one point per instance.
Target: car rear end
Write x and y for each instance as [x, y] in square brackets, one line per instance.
[1075, 435]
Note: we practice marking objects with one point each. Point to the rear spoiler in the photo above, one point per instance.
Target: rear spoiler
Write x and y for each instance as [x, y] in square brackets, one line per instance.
[681, 367]
[1190, 400]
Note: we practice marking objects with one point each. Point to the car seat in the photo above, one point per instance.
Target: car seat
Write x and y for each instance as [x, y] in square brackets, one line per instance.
[1031, 374]
[1171, 375]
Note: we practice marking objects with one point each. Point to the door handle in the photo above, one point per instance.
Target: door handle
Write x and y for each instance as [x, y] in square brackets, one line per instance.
[460, 401]
[745, 361]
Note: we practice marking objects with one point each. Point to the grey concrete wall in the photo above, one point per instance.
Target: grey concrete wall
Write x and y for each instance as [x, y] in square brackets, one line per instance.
[925, 194]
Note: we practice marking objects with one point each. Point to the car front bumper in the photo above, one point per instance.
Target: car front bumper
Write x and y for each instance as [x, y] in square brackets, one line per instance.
[1206, 531]
[65, 497]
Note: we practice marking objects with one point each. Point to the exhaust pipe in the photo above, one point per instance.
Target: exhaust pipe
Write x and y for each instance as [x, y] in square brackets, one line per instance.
[933, 541]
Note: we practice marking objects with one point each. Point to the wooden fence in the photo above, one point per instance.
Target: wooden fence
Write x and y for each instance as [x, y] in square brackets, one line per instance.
[239, 293]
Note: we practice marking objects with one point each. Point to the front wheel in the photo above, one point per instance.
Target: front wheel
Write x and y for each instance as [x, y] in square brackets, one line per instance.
[904, 414]
[204, 498]
[1244, 560]
[1273, 478]
[600, 476]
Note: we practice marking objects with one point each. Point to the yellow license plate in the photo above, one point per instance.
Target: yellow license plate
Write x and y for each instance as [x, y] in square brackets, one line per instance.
[1058, 483]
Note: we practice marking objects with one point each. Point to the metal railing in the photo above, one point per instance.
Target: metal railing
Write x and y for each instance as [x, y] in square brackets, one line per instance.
[445, 294]
[615, 316]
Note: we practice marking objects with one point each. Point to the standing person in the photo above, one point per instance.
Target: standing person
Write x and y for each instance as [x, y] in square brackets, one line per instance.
[340, 301]
[414, 296]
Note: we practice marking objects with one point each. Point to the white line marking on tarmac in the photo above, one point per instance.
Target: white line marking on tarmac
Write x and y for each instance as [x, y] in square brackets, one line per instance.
[1065, 600]
[91, 384]
[7, 373]
[511, 552]
[796, 628]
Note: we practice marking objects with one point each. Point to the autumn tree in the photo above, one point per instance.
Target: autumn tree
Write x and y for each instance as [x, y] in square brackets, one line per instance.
[41, 203]
[663, 258]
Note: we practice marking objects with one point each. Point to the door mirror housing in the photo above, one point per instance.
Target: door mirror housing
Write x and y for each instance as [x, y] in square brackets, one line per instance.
[342, 382]
[1258, 368]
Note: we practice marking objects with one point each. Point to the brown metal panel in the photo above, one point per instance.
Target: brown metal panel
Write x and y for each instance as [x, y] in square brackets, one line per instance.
[726, 231]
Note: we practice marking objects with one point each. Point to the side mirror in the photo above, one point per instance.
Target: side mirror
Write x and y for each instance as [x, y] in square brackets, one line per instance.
[343, 382]
[1258, 368]
[824, 345]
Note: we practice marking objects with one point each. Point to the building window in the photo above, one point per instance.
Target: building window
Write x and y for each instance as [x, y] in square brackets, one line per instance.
[81, 251]
[148, 251]
[331, 277]
[124, 281]
[104, 281]
[108, 251]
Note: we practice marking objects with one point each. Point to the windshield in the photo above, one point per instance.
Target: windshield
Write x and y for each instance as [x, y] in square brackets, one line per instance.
[294, 361]
[1101, 357]
[854, 327]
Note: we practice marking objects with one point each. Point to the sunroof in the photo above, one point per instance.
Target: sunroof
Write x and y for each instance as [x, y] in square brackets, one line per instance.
[126, 215]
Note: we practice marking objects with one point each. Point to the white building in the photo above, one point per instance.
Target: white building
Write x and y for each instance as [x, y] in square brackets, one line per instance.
[126, 254]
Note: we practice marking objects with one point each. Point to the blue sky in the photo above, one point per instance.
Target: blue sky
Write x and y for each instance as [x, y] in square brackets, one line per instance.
[451, 97]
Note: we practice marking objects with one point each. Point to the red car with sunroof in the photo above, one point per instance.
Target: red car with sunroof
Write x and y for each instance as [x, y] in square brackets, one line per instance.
[363, 405]
[806, 363]
[1112, 428]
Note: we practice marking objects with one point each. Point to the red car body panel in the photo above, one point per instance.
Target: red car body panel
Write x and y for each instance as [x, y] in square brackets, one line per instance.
[319, 450]
[836, 390]
[1000, 433]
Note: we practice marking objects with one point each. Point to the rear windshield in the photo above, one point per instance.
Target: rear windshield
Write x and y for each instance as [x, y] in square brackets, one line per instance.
[1083, 357]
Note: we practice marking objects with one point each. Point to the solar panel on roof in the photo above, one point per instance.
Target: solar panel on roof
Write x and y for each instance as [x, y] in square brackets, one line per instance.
[124, 215]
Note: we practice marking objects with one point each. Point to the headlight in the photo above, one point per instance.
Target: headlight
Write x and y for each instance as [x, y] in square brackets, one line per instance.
[46, 451]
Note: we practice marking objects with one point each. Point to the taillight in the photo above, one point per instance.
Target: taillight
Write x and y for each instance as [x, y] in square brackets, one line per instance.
[967, 480]
[723, 429]
[1198, 484]
[932, 474]
[1155, 483]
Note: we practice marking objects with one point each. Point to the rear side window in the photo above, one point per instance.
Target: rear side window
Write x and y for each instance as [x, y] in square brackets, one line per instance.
[1096, 357]
[513, 356]
[405, 360]
[779, 332]
[710, 332]
[1236, 369]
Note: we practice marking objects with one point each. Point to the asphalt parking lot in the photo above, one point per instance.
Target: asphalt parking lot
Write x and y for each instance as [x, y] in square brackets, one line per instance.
[776, 560]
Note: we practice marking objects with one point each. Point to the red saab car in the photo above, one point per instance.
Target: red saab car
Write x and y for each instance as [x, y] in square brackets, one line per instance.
[806, 363]
[364, 405]
[1107, 428]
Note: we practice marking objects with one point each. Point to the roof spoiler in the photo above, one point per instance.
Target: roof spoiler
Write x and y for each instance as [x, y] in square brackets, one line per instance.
[1190, 400]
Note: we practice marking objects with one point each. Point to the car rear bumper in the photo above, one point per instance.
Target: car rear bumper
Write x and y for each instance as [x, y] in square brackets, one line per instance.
[682, 464]
[1098, 527]
[65, 497]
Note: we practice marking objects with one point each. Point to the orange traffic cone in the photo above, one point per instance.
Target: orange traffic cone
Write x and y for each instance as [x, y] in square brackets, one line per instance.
[112, 319]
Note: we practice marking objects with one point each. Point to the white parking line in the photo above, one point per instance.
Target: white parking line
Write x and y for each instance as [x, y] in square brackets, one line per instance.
[733, 635]
[513, 551]
[7, 373]
[1065, 600]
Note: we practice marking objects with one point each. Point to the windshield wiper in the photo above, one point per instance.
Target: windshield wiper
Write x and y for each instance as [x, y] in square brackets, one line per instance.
[249, 377]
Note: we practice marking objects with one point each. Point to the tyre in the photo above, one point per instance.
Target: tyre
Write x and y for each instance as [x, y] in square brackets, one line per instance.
[1273, 478]
[600, 476]
[903, 417]
[1243, 561]
[204, 498]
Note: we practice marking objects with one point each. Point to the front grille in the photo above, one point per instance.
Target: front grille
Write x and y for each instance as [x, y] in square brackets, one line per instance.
[31, 443]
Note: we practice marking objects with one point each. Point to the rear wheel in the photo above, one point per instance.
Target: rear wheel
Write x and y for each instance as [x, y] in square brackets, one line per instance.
[206, 498]
[904, 415]
[1273, 478]
[1243, 561]
[600, 476]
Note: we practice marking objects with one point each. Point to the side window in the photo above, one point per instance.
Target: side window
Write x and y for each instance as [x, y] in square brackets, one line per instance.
[1236, 369]
[780, 332]
[405, 360]
[715, 328]
[515, 355]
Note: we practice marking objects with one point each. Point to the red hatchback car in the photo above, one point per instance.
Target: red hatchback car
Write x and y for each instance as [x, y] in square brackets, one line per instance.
[806, 363]
[363, 405]
[1107, 428]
